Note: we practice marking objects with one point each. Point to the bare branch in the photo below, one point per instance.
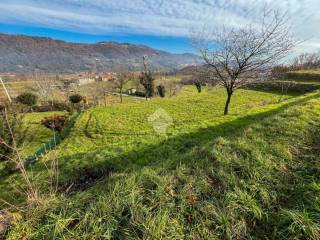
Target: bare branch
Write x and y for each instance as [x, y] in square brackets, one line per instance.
[235, 57]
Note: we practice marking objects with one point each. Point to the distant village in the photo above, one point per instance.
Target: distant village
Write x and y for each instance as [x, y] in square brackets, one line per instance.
[86, 78]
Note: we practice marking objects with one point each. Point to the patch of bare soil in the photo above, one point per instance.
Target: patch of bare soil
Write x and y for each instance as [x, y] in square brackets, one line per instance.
[85, 179]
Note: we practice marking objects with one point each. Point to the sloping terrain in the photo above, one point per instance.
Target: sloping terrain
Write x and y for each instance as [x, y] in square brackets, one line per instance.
[254, 174]
[20, 53]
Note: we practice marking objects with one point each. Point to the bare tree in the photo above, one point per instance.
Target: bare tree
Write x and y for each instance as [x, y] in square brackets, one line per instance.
[234, 57]
[47, 86]
[307, 61]
[120, 81]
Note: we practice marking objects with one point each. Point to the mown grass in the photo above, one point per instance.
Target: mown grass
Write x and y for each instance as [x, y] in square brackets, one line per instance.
[251, 175]
[121, 129]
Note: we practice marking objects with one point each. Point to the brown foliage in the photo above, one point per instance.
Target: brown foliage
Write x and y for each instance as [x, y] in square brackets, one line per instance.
[55, 123]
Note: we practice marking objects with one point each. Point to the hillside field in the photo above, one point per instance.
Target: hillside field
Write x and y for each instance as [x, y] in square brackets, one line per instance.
[253, 174]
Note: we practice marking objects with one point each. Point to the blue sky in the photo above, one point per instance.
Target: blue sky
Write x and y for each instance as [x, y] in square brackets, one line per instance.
[167, 43]
[163, 24]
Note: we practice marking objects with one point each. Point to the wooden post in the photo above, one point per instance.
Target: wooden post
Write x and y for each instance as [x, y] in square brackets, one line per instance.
[5, 89]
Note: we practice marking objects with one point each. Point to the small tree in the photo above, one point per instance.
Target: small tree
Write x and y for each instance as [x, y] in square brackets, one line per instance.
[28, 99]
[235, 57]
[75, 98]
[147, 80]
[161, 90]
[198, 85]
[120, 81]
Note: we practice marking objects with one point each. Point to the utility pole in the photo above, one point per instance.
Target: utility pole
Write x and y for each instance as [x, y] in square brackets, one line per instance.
[5, 89]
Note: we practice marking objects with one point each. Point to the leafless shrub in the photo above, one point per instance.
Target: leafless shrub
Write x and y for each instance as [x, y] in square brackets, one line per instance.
[173, 88]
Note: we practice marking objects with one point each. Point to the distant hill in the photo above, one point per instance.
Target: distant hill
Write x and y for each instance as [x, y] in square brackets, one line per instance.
[19, 53]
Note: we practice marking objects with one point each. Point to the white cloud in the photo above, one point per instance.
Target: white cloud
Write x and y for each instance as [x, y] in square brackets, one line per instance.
[157, 17]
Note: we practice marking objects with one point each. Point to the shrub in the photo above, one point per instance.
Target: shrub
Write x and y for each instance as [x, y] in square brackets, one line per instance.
[161, 90]
[75, 98]
[198, 86]
[12, 136]
[28, 99]
[55, 123]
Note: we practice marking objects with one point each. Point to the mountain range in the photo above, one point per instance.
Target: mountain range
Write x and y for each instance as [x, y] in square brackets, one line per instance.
[20, 53]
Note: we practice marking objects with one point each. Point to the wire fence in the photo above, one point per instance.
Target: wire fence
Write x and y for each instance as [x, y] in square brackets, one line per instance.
[53, 142]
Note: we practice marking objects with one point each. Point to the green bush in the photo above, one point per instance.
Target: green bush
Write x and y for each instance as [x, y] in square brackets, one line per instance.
[161, 90]
[55, 123]
[198, 86]
[28, 99]
[75, 98]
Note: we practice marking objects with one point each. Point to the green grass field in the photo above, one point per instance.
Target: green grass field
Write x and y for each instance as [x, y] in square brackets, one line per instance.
[254, 174]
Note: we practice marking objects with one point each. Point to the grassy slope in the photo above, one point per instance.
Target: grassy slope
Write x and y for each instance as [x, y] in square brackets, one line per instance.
[104, 133]
[254, 173]
[37, 134]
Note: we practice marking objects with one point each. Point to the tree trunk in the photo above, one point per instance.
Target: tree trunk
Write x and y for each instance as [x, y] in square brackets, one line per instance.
[226, 108]
[121, 96]
[105, 99]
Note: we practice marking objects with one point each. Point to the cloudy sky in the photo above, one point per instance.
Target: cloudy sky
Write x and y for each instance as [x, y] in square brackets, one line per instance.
[165, 24]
